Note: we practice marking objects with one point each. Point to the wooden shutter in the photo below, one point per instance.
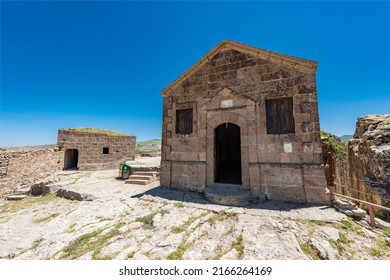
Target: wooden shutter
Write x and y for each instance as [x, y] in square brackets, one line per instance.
[279, 116]
[184, 121]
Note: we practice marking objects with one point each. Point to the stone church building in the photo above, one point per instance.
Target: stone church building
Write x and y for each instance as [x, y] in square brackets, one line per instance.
[246, 117]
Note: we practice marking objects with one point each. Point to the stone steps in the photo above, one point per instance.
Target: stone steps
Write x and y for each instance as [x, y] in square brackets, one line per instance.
[227, 194]
[142, 177]
[138, 182]
[136, 177]
[145, 173]
[349, 208]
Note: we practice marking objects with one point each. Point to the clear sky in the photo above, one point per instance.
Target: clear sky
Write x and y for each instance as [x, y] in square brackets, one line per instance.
[104, 64]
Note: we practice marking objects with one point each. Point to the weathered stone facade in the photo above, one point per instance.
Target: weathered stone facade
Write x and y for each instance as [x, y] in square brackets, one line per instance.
[369, 159]
[21, 167]
[230, 87]
[94, 151]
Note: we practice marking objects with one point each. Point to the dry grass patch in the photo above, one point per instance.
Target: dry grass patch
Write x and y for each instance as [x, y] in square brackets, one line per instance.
[187, 223]
[148, 219]
[130, 255]
[93, 241]
[180, 250]
[46, 219]
[220, 216]
[309, 251]
[97, 130]
[30, 201]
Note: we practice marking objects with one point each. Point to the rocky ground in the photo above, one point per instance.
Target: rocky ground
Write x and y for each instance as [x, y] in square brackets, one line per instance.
[127, 221]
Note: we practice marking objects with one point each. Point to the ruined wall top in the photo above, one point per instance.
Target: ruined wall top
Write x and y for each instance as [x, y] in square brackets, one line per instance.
[93, 131]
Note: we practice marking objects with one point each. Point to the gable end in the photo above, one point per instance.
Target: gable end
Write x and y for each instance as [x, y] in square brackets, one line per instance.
[299, 64]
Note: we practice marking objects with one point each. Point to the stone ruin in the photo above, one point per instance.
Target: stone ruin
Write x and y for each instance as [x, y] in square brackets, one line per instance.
[20, 168]
[28, 169]
[95, 149]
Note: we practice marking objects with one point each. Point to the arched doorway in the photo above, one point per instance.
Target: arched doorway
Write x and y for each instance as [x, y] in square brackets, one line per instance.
[228, 154]
[71, 159]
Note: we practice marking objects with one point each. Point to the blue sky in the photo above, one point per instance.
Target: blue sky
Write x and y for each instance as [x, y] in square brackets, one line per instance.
[104, 64]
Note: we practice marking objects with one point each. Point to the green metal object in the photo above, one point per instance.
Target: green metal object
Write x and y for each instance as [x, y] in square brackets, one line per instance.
[124, 171]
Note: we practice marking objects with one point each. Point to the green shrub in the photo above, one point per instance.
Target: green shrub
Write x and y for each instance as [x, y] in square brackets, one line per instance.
[338, 146]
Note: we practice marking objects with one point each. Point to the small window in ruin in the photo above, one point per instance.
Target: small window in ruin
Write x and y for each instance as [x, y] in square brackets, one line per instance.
[280, 118]
[106, 150]
[184, 121]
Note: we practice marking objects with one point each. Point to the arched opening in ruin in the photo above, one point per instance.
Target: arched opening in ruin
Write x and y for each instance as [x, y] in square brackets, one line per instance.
[71, 159]
[228, 154]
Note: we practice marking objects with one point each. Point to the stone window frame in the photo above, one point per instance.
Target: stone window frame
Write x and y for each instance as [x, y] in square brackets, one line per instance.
[293, 132]
[106, 151]
[186, 106]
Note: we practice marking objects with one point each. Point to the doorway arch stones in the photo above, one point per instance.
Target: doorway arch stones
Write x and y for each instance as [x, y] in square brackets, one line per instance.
[212, 124]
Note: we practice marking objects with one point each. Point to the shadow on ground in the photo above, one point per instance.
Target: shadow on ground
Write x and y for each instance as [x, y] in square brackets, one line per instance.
[194, 197]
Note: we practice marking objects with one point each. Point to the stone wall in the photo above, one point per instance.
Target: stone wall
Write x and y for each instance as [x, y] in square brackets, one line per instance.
[369, 159]
[342, 176]
[96, 150]
[20, 167]
[340, 170]
[274, 166]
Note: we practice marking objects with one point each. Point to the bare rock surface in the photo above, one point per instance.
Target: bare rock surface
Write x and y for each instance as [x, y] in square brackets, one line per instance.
[73, 195]
[369, 158]
[321, 242]
[42, 188]
[127, 221]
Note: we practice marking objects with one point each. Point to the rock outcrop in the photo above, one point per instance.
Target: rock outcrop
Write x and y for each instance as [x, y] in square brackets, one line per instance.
[369, 159]
[42, 188]
[72, 195]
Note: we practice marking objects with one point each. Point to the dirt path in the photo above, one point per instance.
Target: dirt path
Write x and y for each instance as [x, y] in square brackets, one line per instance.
[148, 222]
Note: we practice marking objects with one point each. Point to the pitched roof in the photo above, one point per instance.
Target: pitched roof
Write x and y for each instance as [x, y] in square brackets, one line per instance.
[299, 64]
